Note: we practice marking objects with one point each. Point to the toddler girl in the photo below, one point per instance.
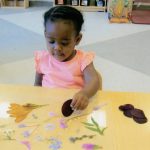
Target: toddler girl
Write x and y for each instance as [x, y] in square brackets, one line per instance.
[62, 66]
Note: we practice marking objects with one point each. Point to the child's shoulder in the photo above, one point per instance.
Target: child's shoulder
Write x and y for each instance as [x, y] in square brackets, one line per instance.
[84, 54]
[41, 54]
[85, 58]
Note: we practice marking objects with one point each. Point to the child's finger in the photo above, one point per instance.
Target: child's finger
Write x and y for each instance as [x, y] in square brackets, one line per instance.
[81, 106]
[77, 104]
[73, 102]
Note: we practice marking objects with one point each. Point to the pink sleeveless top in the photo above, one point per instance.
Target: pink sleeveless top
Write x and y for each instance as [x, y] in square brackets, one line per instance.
[67, 74]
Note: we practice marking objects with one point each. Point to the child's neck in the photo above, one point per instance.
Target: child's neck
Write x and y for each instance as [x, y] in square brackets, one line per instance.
[71, 56]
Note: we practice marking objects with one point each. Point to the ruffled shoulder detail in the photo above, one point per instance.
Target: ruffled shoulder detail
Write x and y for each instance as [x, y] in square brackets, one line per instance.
[39, 56]
[86, 59]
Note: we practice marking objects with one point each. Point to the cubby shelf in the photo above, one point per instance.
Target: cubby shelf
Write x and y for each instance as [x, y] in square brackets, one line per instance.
[87, 8]
[14, 3]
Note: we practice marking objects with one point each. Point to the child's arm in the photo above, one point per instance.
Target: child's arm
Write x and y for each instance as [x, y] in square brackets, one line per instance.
[38, 79]
[93, 82]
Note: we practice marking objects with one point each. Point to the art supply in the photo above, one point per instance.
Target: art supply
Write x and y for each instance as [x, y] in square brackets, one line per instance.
[66, 108]
[137, 114]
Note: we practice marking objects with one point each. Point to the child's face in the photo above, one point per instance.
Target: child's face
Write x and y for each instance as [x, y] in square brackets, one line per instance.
[61, 39]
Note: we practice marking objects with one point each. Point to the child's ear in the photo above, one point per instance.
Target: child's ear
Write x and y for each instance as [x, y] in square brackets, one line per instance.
[78, 38]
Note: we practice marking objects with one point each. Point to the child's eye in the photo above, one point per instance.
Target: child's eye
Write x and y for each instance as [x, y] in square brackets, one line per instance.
[51, 42]
[64, 43]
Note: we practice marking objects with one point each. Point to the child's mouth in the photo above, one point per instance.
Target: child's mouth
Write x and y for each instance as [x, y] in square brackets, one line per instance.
[57, 54]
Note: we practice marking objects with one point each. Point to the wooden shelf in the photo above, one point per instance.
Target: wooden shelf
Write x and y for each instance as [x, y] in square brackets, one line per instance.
[89, 8]
[14, 3]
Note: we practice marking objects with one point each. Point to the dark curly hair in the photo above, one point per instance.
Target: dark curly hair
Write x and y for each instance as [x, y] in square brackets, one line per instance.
[65, 13]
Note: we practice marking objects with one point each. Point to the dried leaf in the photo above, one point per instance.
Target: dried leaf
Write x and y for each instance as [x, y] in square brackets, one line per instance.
[87, 124]
[95, 123]
[93, 129]
[20, 112]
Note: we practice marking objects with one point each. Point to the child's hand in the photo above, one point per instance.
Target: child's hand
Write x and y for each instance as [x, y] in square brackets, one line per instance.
[80, 101]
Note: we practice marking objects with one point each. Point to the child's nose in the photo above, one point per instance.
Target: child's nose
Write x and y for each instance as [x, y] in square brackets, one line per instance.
[57, 47]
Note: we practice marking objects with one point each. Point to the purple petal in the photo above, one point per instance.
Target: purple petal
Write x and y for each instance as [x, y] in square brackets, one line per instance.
[88, 146]
[27, 144]
[63, 124]
[26, 133]
[50, 126]
[22, 125]
[52, 114]
[55, 144]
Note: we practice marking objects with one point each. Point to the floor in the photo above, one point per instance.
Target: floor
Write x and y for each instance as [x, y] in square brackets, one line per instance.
[122, 50]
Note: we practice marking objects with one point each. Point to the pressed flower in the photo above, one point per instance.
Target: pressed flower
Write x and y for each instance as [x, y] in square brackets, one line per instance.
[50, 126]
[94, 126]
[9, 134]
[39, 138]
[34, 116]
[26, 133]
[72, 139]
[52, 114]
[63, 123]
[89, 146]
[55, 144]
[22, 125]
[27, 144]
[20, 112]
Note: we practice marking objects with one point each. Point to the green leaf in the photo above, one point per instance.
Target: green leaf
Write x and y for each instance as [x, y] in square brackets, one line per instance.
[97, 147]
[87, 124]
[102, 131]
[96, 124]
[93, 129]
